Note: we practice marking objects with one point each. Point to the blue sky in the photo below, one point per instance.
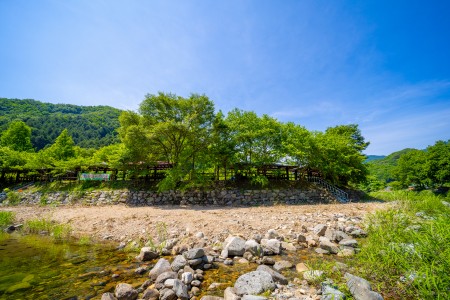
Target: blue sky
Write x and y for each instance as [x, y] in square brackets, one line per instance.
[384, 65]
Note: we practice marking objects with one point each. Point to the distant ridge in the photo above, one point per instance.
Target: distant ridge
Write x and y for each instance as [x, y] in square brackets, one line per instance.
[90, 126]
[374, 157]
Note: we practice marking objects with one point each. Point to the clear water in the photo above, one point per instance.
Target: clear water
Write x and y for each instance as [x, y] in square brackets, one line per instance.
[35, 267]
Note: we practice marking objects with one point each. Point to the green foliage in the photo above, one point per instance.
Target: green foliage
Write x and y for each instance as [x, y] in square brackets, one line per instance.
[258, 140]
[63, 148]
[260, 180]
[17, 137]
[12, 197]
[90, 126]
[6, 218]
[337, 154]
[45, 225]
[383, 169]
[407, 246]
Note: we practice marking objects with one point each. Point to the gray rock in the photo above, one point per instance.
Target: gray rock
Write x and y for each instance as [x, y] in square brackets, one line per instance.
[331, 293]
[271, 234]
[178, 263]
[301, 238]
[196, 283]
[340, 235]
[253, 247]
[180, 289]
[150, 294]
[361, 288]
[255, 282]
[195, 262]
[208, 297]
[167, 294]
[187, 277]
[320, 229]
[267, 261]
[329, 246]
[169, 283]
[108, 296]
[125, 291]
[147, 254]
[277, 277]
[349, 243]
[321, 251]
[282, 265]
[235, 246]
[161, 266]
[230, 294]
[194, 253]
[330, 234]
[165, 275]
[271, 247]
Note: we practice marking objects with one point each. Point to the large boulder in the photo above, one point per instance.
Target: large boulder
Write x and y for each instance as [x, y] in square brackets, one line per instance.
[330, 292]
[147, 254]
[161, 266]
[361, 288]
[253, 247]
[329, 246]
[235, 246]
[178, 263]
[108, 296]
[125, 291]
[194, 253]
[271, 247]
[180, 289]
[277, 277]
[254, 283]
[282, 265]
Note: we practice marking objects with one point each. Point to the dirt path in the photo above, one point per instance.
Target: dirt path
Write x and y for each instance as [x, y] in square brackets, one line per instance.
[122, 223]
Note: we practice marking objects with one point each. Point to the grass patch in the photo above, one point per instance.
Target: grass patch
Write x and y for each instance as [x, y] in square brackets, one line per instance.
[407, 250]
[12, 197]
[46, 226]
[6, 218]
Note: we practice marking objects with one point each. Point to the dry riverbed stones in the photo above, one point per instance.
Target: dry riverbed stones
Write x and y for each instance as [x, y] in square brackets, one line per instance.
[182, 277]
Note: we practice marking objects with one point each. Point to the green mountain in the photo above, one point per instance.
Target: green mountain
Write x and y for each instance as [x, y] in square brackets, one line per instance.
[374, 157]
[90, 126]
[383, 168]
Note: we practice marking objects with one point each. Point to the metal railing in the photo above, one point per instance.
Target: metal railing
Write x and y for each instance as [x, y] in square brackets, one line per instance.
[340, 195]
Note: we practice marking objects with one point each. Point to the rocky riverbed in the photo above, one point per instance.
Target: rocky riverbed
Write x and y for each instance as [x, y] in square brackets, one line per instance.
[190, 242]
[182, 277]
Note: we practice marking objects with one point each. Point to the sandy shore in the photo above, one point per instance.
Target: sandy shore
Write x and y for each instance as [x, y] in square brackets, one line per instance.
[122, 223]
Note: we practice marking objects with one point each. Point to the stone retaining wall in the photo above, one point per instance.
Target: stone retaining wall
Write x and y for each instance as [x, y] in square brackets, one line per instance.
[214, 197]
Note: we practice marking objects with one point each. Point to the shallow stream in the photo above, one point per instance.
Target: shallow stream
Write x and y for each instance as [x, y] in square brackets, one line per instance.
[37, 267]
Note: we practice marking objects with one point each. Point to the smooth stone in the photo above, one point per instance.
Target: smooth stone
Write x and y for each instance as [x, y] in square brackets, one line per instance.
[282, 265]
[194, 253]
[125, 291]
[277, 277]
[254, 283]
[160, 267]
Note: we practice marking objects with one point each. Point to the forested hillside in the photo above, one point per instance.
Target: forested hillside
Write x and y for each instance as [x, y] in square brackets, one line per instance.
[383, 168]
[89, 126]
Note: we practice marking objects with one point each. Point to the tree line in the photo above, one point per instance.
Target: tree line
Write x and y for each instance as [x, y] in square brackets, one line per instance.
[418, 169]
[187, 134]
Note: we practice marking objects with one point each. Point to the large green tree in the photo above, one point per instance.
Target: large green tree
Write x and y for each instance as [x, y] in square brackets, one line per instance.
[172, 129]
[258, 140]
[17, 136]
[337, 153]
[64, 147]
[438, 162]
